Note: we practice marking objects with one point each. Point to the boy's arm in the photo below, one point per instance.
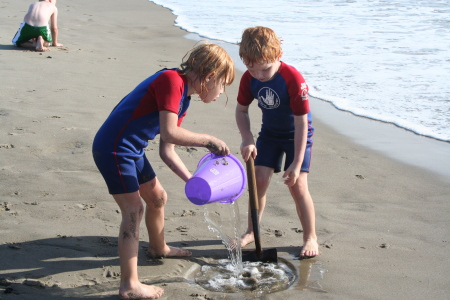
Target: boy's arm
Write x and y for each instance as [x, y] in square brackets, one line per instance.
[172, 160]
[171, 133]
[243, 122]
[54, 28]
[300, 137]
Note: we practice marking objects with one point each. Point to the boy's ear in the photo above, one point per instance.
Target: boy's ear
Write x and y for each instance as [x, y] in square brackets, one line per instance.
[210, 76]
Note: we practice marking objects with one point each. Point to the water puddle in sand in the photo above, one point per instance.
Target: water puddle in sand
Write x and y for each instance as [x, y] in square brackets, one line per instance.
[255, 278]
[310, 273]
[250, 278]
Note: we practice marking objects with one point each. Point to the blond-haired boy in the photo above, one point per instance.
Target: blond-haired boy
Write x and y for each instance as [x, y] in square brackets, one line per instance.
[286, 129]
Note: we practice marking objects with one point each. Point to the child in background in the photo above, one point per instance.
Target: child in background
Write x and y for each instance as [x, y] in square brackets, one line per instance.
[282, 95]
[35, 31]
[156, 106]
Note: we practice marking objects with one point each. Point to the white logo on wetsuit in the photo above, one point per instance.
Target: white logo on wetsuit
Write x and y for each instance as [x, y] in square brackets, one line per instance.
[268, 98]
[304, 91]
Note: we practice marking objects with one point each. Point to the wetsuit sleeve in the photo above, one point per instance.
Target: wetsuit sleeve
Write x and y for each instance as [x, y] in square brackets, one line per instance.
[245, 96]
[180, 119]
[169, 88]
[298, 91]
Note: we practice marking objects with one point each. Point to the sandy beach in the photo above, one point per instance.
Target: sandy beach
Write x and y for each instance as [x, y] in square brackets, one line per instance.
[383, 224]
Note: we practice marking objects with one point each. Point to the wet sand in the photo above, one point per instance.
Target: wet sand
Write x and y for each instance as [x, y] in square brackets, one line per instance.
[382, 223]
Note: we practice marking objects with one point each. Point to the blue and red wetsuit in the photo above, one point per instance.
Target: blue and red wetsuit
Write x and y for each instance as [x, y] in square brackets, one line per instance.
[280, 99]
[118, 147]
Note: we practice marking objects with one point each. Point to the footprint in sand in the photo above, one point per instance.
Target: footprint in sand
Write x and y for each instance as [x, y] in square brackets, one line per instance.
[108, 242]
[5, 206]
[279, 233]
[297, 230]
[384, 246]
[109, 273]
[326, 245]
[6, 146]
[20, 131]
[187, 149]
[86, 206]
[35, 283]
[183, 230]
[15, 246]
[188, 213]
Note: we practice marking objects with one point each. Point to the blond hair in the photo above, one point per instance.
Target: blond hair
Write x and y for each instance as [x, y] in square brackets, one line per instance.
[259, 45]
[206, 59]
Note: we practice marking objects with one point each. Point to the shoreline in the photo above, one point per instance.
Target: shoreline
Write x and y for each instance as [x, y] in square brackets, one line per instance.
[388, 139]
[382, 224]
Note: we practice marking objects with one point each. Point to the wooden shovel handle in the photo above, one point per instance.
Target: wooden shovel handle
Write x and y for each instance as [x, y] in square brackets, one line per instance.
[253, 194]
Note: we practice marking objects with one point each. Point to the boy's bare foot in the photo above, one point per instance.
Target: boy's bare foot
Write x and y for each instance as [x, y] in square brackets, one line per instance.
[40, 44]
[247, 238]
[310, 248]
[43, 49]
[142, 291]
[170, 252]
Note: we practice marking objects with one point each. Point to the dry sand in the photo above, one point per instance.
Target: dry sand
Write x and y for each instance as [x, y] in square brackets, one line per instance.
[383, 226]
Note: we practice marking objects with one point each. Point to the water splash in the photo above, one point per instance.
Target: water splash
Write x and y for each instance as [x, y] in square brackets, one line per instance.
[223, 218]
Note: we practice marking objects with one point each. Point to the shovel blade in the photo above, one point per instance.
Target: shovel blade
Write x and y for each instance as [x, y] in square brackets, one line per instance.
[266, 255]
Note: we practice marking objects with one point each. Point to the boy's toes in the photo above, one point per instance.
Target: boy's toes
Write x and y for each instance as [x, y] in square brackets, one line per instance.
[310, 249]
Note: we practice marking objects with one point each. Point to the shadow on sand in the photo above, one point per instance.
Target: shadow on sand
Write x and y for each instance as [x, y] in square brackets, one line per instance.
[32, 270]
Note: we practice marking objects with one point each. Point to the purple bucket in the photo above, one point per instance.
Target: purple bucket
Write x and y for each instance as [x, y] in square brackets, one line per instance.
[217, 179]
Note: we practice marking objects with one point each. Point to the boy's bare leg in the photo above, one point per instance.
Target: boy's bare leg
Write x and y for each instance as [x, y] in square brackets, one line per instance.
[132, 210]
[306, 212]
[263, 176]
[156, 197]
[30, 44]
[41, 44]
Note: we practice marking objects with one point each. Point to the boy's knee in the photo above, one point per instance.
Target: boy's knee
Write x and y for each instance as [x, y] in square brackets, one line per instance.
[157, 200]
[134, 209]
[301, 186]
[262, 181]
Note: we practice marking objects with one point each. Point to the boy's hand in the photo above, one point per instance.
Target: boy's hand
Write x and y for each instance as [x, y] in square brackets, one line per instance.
[291, 176]
[218, 147]
[247, 150]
